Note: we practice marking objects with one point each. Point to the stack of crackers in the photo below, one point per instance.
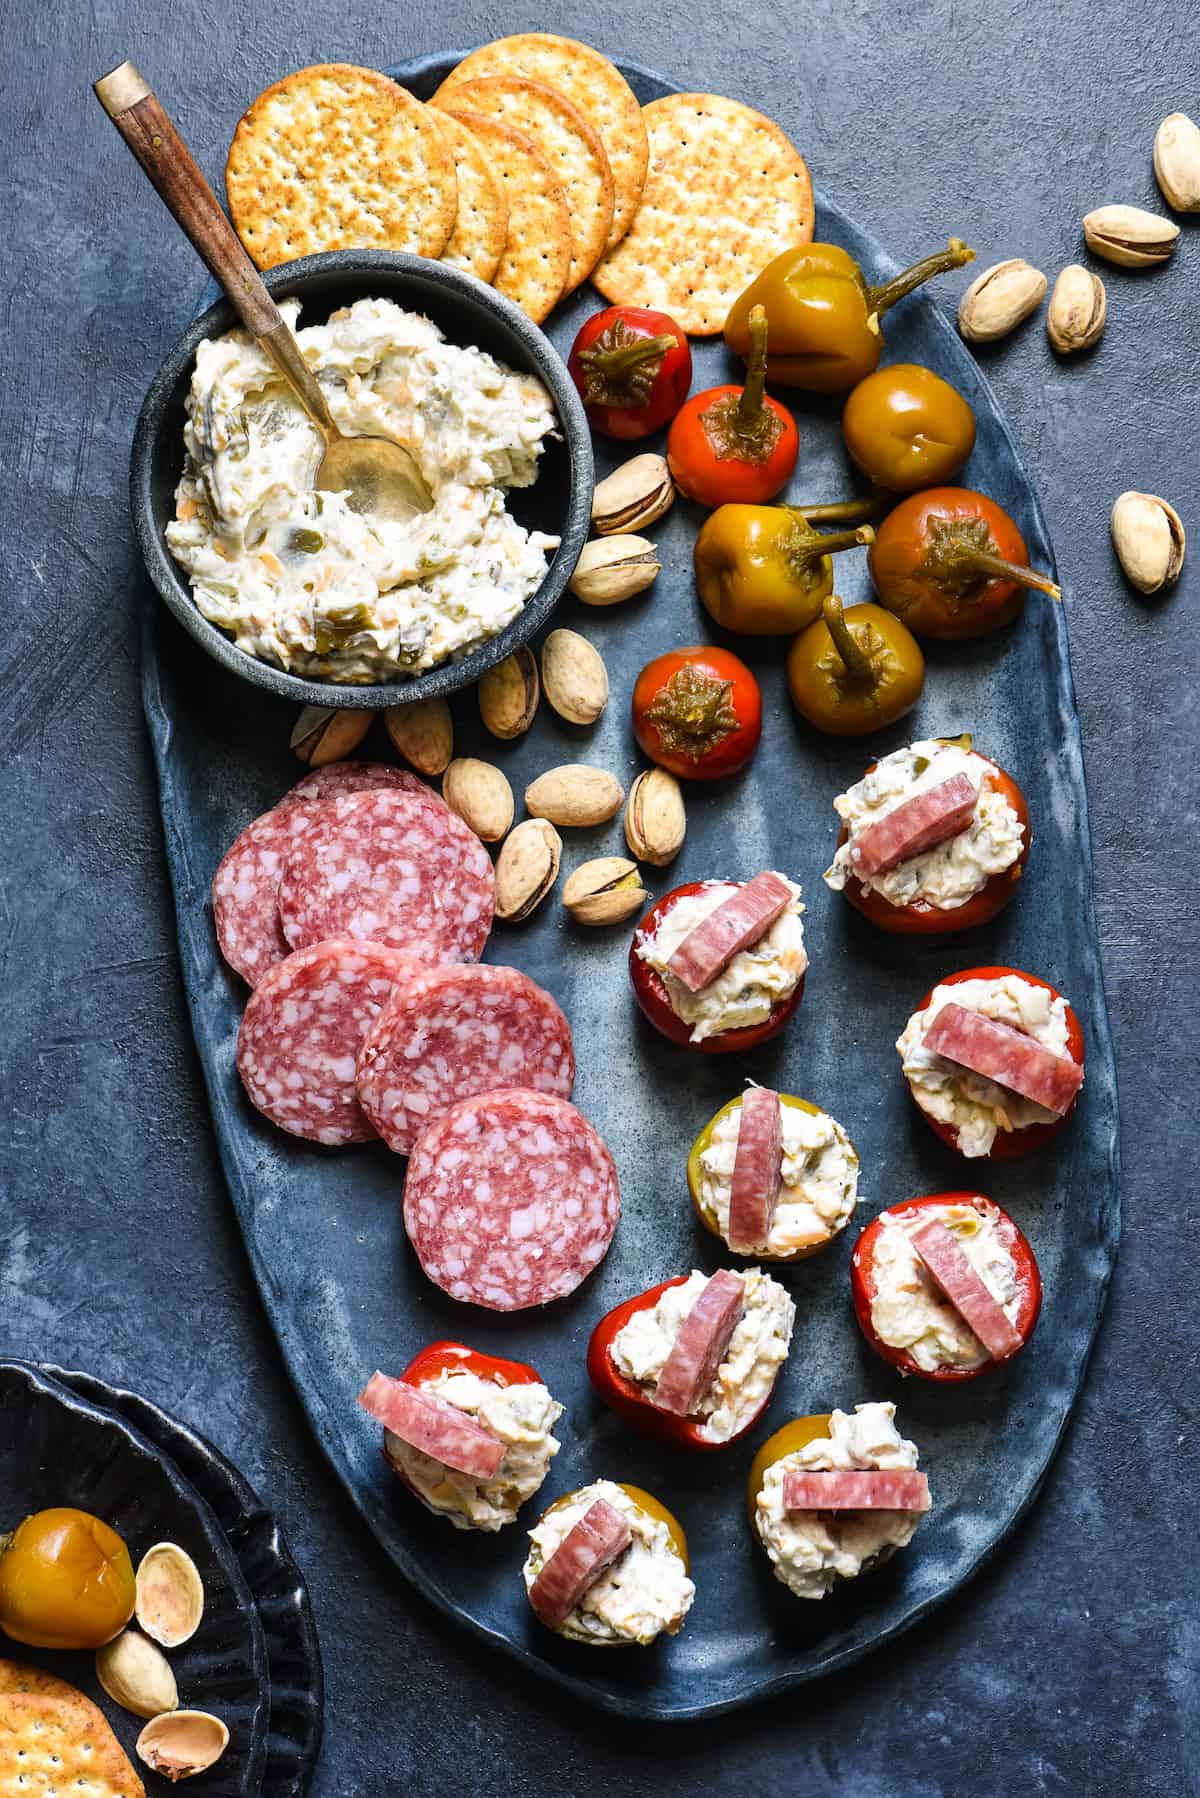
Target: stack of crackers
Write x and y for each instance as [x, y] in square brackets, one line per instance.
[533, 167]
[55, 1743]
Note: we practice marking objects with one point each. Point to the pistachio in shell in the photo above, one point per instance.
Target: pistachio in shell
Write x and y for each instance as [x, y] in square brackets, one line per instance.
[655, 820]
[575, 796]
[1149, 539]
[1130, 236]
[423, 733]
[1177, 162]
[1078, 309]
[170, 1595]
[181, 1744]
[574, 678]
[607, 890]
[324, 734]
[612, 569]
[480, 795]
[509, 693]
[1000, 299]
[137, 1675]
[638, 493]
[526, 869]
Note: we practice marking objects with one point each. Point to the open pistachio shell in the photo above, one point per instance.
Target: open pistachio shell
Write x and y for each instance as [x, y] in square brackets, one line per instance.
[183, 1743]
[170, 1595]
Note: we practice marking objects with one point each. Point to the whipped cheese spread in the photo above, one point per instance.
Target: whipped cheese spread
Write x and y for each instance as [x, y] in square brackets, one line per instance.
[757, 1349]
[951, 873]
[755, 981]
[908, 1310]
[820, 1178]
[810, 1550]
[522, 1416]
[975, 1107]
[643, 1593]
[298, 579]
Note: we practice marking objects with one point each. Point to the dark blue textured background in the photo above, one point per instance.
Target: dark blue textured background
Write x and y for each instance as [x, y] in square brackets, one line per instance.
[1072, 1665]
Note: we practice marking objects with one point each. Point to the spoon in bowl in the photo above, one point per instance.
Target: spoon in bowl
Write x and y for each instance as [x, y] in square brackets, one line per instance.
[380, 476]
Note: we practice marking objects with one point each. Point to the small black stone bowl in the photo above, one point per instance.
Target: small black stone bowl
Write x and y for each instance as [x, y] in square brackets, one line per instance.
[468, 313]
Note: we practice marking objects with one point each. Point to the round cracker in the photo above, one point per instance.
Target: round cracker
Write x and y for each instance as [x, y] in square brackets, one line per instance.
[726, 191]
[594, 85]
[477, 240]
[537, 250]
[570, 145]
[338, 158]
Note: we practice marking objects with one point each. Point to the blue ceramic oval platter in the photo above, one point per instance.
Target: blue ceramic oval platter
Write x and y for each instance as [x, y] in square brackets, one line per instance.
[324, 1229]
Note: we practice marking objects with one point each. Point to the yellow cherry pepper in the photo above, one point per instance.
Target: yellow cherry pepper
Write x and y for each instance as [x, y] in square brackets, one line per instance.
[854, 671]
[786, 1441]
[66, 1581]
[764, 570]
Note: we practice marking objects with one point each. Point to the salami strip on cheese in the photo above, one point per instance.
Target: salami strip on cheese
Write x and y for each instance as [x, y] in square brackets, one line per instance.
[587, 1550]
[888, 1489]
[387, 867]
[453, 1032]
[302, 1031]
[511, 1199]
[950, 1268]
[921, 823]
[336, 779]
[700, 1347]
[1007, 1056]
[735, 924]
[433, 1426]
[757, 1170]
[246, 885]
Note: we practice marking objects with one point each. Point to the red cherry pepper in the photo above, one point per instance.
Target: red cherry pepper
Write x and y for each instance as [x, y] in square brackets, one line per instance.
[633, 368]
[455, 1357]
[735, 444]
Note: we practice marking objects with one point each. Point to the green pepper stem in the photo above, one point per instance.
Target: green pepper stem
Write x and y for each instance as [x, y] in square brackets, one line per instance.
[997, 567]
[610, 369]
[854, 656]
[750, 406]
[882, 299]
[818, 546]
[843, 511]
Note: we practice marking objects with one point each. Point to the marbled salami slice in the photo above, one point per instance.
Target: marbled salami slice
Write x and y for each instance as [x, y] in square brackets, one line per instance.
[245, 888]
[950, 1268]
[736, 924]
[336, 779]
[387, 867]
[511, 1199]
[453, 1032]
[757, 1170]
[1007, 1056]
[873, 1489]
[303, 1028]
[587, 1550]
[699, 1349]
[918, 824]
[433, 1426]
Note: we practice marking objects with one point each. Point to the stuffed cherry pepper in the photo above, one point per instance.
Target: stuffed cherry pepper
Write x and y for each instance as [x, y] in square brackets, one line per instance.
[834, 1496]
[469, 1434]
[934, 838]
[719, 964]
[994, 1060]
[694, 1361]
[608, 1565]
[945, 1287]
[773, 1176]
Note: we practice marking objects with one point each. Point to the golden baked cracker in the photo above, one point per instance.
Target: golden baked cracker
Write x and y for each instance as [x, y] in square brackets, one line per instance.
[537, 250]
[16, 1676]
[337, 158]
[726, 191]
[477, 240]
[60, 1748]
[594, 85]
[570, 145]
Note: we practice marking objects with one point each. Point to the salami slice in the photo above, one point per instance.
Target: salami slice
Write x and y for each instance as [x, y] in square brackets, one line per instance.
[511, 1199]
[587, 1550]
[453, 1032]
[1007, 1056]
[245, 888]
[951, 1269]
[303, 1028]
[736, 924]
[433, 1426]
[387, 867]
[920, 823]
[336, 779]
[882, 1489]
[757, 1170]
[699, 1349]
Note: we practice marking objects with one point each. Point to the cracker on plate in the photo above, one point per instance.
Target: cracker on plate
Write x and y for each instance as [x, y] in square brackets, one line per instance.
[537, 250]
[592, 84]
[570, 145]
[726, 191]
[60, 1748]
[15, 1676]
[338, 158]
[477, 240]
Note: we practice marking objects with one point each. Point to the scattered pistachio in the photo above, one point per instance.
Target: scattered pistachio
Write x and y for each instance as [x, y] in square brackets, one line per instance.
[605, 891]
[509, 694]
[169, 1595]
[638, 493]
[325, 733]
[574, 678]
[423, 733]
[575, 796]
[1130, 237]
[480, 795]
[1077, 311]
[1149, 539]
[1000, 299]
[611, 569]
[137, 1675]
[183, 1743]
[1177, 162]
[655, 821]
[526, 869]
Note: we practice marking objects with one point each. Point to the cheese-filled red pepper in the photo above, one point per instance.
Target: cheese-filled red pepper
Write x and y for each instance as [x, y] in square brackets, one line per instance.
[693, 1361]
[779, 1188]
[608, 1566]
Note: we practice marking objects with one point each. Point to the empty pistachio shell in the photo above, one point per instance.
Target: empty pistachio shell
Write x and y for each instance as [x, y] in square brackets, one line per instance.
[137, 1675]
[324, 734]
[183, 1743]
[526, 869]
[423, 733]
[999, 299]
[509, 693]
[170, 1595]
[638, 493]
[1149, 540]
[575, 795]
[1130, 237]
[1077, 311]
[611, 569]
[481, 796]
[1177, 162]
[574, 678]
[605, 891]
[655, 821]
